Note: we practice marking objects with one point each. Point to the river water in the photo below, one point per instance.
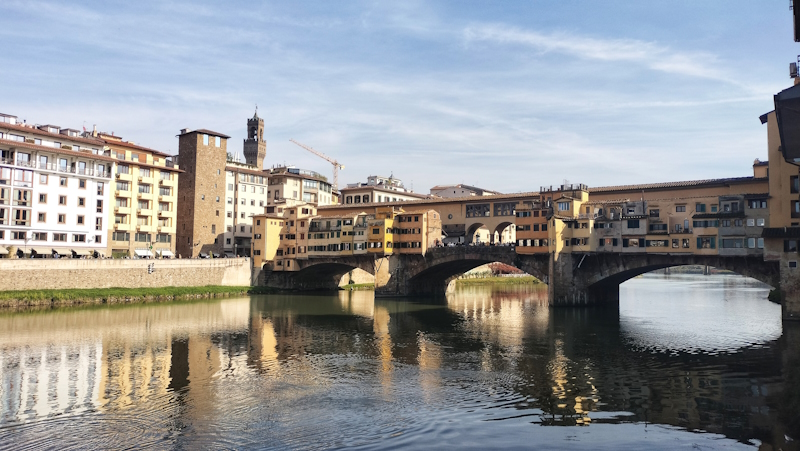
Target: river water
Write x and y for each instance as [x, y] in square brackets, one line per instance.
[694, 362]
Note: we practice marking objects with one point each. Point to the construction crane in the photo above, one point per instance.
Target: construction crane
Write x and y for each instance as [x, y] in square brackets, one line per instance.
[336, 164]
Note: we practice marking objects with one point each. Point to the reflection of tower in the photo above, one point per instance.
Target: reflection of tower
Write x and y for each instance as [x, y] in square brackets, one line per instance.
[255, 147]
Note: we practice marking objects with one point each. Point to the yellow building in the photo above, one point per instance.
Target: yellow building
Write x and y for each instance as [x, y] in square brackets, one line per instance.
[145, 200]
[267, 229]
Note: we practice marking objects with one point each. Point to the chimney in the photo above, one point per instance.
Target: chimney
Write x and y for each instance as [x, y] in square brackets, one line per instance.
[184, 131]
[94, 130]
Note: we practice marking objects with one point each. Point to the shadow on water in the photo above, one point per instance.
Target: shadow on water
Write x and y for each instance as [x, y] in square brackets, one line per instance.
[486, 367]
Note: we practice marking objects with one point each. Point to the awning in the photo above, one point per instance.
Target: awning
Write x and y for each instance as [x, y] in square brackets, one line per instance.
[229, 255]
[83, 251]
[39, 250]
[3, 251]
[61, 250]
[165, 253]
[143, 253]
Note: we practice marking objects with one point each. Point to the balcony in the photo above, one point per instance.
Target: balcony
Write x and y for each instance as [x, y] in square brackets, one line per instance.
[163, 212]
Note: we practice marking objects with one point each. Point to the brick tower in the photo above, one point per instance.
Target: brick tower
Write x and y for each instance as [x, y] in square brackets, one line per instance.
[255, 147]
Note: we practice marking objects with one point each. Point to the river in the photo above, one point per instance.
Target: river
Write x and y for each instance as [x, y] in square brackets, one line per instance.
[684, 362]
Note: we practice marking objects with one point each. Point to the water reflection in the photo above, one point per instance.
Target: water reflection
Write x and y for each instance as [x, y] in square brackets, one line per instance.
[310, 372]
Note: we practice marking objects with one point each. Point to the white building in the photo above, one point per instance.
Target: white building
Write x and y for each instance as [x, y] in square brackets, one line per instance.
[460, 190]
[54, 191]
[245, 196]
[378, 189]
[291, 183]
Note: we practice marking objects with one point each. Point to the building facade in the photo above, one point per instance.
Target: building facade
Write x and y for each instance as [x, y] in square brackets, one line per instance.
[145, 196]
[54, 192]
[379, 190]
[299, 185]
[202, 154]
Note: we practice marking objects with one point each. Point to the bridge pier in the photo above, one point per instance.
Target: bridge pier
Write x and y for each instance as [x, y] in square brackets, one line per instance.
[790, 291]
[570, 284]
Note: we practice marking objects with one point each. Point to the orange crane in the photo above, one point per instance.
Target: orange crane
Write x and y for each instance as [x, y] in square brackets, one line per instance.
[336, 164]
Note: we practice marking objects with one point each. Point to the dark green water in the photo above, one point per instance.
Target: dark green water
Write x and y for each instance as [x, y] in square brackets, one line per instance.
[688, 362]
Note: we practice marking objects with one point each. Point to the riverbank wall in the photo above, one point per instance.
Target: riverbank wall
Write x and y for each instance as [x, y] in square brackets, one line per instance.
[33, 274]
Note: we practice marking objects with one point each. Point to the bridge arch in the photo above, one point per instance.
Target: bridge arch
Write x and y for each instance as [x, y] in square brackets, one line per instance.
[472, 230]
[318, 274]
[500, 228]
[596, 277]
[432, 274]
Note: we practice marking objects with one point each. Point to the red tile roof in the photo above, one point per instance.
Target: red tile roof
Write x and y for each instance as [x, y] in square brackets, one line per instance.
[35, 131]
[76, 153]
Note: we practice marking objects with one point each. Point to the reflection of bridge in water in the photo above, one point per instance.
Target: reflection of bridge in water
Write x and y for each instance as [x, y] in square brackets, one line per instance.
[554, 365]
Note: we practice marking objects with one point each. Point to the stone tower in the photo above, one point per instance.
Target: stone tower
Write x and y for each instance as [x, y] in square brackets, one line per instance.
[255, 147]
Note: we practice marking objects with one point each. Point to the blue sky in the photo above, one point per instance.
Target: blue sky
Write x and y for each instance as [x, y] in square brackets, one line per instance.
[508, 96]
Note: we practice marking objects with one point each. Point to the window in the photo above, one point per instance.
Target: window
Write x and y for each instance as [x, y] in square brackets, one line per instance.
[62, 200]
[81, 201]
[794, 184]
[144, 189]
[700, 208]
[62, 181]
[39, 236]
[760, 222]
[563, 206]
[60, 237]
[42, 198]
[708, 242]
[62, 218]
[79, 238]
[80, 219]
[144, 172]
[205, 139]
[758, 204]
[217, 142]
[142, 237]
[43, 179]
[122, 186]
[633, 223]
[121, 236]
[42, 217]
[680, 208]
[82, 184]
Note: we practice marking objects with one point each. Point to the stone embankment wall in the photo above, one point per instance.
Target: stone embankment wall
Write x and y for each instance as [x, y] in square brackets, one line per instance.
[32, 274]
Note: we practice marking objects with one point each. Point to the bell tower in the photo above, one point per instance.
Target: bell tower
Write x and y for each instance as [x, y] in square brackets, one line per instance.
[255, 147]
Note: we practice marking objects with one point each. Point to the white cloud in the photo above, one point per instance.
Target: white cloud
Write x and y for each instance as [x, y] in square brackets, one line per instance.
[648, 54]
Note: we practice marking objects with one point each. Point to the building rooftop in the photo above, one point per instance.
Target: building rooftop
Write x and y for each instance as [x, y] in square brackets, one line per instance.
[683, 184]
[205, 131]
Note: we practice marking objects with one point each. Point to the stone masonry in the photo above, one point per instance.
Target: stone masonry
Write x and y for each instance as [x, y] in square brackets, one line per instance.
[35, 274]
[201, 191]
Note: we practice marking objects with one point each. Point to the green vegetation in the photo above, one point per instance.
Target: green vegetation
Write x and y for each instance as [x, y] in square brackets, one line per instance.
[358, 286]
[115, 295]
[522, 280]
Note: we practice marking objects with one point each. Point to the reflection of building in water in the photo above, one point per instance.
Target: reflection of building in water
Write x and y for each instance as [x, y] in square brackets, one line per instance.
[113, 357]
[48, 380]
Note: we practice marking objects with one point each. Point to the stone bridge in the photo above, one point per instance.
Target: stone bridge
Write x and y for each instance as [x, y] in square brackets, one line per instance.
[573, 278]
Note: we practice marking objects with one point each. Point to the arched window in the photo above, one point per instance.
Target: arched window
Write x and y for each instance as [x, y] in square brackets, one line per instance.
[349, 200]
[366, 198]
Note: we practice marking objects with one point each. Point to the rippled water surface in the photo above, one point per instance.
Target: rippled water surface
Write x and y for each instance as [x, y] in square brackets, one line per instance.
[694, 362]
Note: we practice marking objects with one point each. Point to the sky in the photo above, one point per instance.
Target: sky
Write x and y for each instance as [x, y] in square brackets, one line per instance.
[508, 96]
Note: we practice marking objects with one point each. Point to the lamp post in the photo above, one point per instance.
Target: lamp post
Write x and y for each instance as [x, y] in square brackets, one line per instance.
[26, 243]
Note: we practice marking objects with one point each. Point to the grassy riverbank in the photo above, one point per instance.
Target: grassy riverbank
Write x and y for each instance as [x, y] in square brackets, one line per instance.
[524, 280]
[119, 295]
